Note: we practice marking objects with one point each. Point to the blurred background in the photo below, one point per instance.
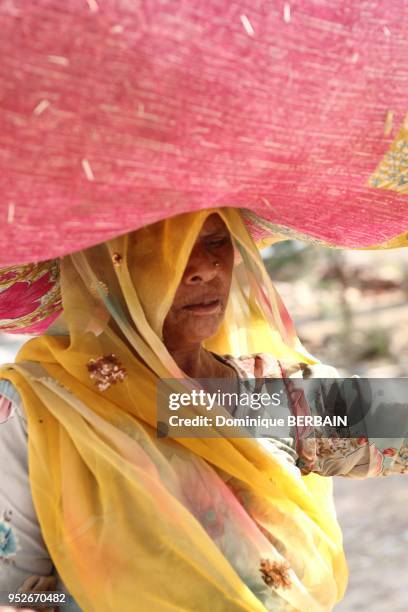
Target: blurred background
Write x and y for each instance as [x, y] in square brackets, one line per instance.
[351, 311]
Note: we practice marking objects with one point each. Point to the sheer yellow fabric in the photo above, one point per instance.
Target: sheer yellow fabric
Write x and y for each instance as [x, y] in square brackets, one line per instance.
[119, 508]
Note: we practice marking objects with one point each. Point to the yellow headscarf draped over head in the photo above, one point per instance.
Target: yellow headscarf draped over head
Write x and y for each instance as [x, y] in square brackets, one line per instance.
[132, 520]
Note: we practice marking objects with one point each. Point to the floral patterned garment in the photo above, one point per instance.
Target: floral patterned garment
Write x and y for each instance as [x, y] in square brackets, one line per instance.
[330, 456]
[30, 297]
[25, 563]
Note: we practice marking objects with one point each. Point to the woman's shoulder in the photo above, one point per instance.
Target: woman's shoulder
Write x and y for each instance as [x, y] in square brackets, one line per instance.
[266, 365]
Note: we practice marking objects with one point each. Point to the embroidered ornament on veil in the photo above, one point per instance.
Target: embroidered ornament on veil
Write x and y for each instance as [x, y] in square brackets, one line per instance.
[106, 371]
[275, 573]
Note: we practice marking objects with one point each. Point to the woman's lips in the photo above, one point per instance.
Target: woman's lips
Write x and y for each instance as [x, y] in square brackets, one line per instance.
[205, 308]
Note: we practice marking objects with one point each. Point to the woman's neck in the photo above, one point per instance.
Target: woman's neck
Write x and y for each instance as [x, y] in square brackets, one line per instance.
[192, 361]
[196, 362]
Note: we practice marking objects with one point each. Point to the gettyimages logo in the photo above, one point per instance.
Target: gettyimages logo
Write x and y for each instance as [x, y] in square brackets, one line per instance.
[346, 407]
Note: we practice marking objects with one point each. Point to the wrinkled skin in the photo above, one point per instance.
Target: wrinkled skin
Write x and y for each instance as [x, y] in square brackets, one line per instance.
[200, 301]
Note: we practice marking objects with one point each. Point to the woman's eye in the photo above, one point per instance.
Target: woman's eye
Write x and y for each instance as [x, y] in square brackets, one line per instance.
[213, 244]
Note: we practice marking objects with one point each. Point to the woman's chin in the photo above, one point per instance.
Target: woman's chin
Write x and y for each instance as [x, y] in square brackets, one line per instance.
[201, 328]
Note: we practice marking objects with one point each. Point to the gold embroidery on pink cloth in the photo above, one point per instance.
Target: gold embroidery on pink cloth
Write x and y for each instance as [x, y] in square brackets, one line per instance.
[30, 297]
[392, 172]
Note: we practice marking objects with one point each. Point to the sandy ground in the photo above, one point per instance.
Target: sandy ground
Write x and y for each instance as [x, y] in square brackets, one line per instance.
[373, 515]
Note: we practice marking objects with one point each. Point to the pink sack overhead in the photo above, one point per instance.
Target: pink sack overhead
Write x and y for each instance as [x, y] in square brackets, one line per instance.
[117, 113]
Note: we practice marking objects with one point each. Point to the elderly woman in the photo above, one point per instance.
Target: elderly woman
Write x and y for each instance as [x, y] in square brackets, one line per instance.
[96, 504]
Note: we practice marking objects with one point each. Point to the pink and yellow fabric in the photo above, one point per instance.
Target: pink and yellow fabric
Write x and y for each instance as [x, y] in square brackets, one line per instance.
[117, 114]
[120, 113]
[215, 518]
[30, 297]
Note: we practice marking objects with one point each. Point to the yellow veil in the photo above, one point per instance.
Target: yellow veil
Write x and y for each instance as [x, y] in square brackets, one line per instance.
[133, 521]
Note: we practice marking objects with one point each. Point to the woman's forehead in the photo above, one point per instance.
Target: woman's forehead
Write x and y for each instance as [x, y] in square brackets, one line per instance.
[213, 224]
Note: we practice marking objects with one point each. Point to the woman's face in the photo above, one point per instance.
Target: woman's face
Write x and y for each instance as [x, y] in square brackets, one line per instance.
[201, 298]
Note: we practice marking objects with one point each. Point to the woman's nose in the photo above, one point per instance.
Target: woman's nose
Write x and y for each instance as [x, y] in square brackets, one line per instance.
[201, 267]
